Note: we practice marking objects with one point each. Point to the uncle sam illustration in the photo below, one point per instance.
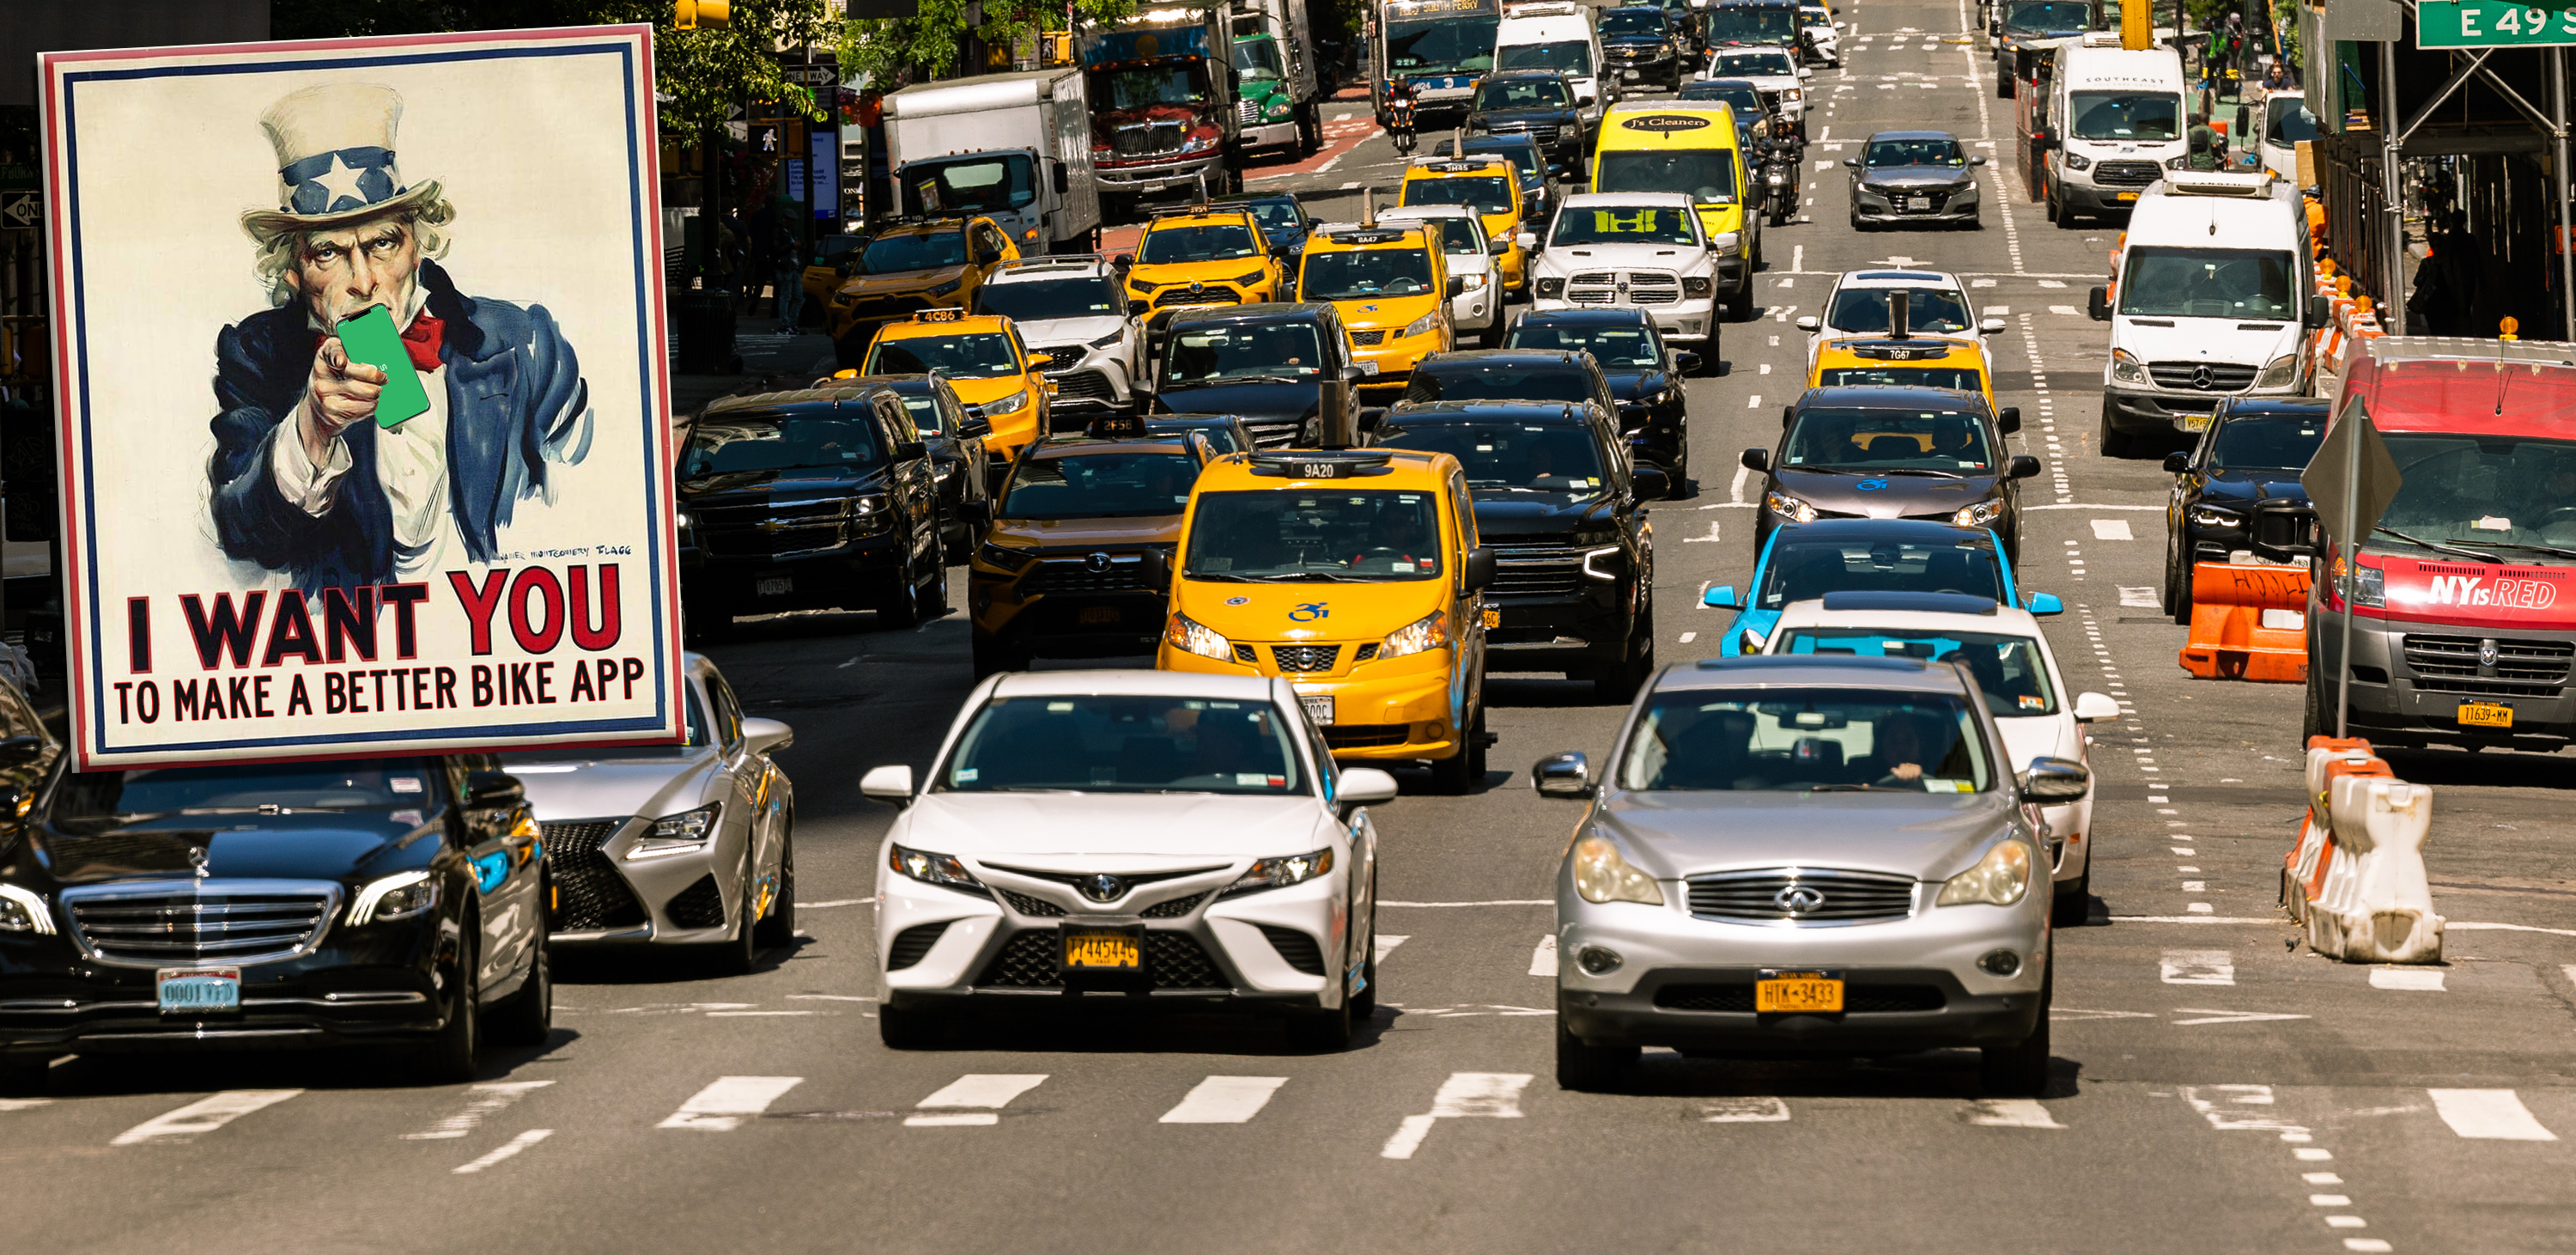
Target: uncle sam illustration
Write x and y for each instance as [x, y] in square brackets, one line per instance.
[306, 482]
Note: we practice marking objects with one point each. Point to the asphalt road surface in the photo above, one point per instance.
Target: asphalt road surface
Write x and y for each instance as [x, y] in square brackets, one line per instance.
[2214, 1088]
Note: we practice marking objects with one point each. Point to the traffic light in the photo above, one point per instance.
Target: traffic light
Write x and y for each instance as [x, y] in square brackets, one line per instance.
[688, 15]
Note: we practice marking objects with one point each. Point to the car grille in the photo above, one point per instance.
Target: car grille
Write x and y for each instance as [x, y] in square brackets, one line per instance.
[1248, 112]
[2223, 376]
[701, 905]
[1903, 198]
[1857, 999]
[1174, 909]
[1305, 657]
[1364, 339]
[882, 308]
[2523, 668]
[2127, 173]
[1536, 570]
[1126, 574]
[1624, 287]
[1274, 433]
[1083, 385]
[1209, 295]
[1361, 736]
[589, 894]
[1299, 949]
[1032, 958]
[913, 944]
[770, 529]
[1760, 897]
[1038, 908]
[205, 922]
[1544, 133]
[1146, 139]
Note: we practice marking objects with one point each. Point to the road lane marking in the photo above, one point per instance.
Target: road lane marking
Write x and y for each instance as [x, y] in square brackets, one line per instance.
[990, 1090]
[1494, 902]
[1543, 959]
[202, 1116]
[2009, 1113]
[2142, 598]
[721, 1106]
[2199, 967]
[1494, 1095]
[2111, 529]
[817, 906]
[2415, 978]
[504, 1151]
[2489, 1113]
[2215, 1016]
[1745, 1111]
[1386, 943]
[481, 1102]
[1753, 402]
[1225, 1100]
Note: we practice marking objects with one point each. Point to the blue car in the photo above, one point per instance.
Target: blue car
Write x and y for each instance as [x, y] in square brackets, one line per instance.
[1803, 561]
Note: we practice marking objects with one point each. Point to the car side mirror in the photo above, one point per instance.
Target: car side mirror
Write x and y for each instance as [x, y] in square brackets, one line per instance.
[1362, 786]
[974, 429]
[978, 513]
[911, 450]
[1788, 415]
[1480, 569]
[493, 790]
[1457, 286]
[2178, 462]
[1686, 361]
[1138, 309]
[2023, 466]
[2055, 780]
[1498, 246]
[1756, 459]
[1804, 72]
[1040, 361]
[891, 783]
[1650, 482]
[2042, 603]
[1063, 181]
[1991, 326]
[766, 736]
[1352, 375]
[2320, 310]
[1976, 161]
[1567, 776]
[1851, 163]
[2100, 304]
[2095, 708]
[2008, 419]
[1719, 597]
[21, 749]
[1123, 261]
[1527, 240]
[1807, 322]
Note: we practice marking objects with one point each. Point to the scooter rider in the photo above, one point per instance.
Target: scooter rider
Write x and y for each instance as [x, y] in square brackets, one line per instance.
[1785, 146]
[1402, 103]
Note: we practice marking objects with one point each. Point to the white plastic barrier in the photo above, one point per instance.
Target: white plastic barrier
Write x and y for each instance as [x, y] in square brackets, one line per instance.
[2299, 874]
[2376, 906]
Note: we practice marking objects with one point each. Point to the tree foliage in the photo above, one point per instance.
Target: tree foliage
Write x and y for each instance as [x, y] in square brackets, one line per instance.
[894, 51]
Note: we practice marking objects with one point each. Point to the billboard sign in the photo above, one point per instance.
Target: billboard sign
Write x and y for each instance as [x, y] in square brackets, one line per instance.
[362, 421]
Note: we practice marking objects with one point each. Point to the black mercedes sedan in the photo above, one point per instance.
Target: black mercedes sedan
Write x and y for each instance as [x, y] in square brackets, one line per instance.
[1640, 42]
[1933, 454]
[398, 902]
[1913, 176]
[1536, 103]
[1644, 376]
[2253, 450]
[964, 467]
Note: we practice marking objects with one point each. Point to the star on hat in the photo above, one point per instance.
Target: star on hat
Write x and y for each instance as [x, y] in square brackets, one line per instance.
[335, 158]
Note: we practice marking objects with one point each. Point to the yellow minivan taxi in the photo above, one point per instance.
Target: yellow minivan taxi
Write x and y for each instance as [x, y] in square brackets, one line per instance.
[1913, 362]
[1204, 256]
[983, 360]
[1357, 575]
[1390, 284]
[1487, 183]
[1689, 146]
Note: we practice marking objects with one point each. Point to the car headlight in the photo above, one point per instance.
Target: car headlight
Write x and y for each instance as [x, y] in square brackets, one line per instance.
[934, 869]
[1998, 879]
[683, 517]
[948, 287]
[1186, 633]
[1007, 404]
[2127, 369]
[2178, 163]
[1726, 242]
[1281, 872]
[1278, 109]
[1012, 560]
[2076, 161]
[1978, 515]
[1423, 635]
[1474, 282]
[2209, 516]
[23, 910]
[2370, 587]
[1250, 279]
[1788, 507]
[1422, 326]
[685, 833]
[1551, 288]
[2281, 372]
[1696, 285]
[1601, 875]
[394, 897]
[1791, 95]
[1198, 143]
[1110, 339]
[1871, 194]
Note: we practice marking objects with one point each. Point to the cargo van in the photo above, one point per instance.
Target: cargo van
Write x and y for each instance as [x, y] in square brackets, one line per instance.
[2120, 125]
[1565, 37]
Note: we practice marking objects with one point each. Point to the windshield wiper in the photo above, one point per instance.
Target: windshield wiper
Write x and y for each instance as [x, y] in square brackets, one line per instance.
[2479, 554]
[1854, 788]
[1880, 470]
[2503, 544]
[1217, 577]
[1222, 380]
[1329, 577]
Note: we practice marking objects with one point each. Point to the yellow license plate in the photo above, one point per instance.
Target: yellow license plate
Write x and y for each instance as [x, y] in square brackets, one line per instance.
[1798, 991]
[2128, 196]
[2196, 422]
[1102, 950]
[2486, 714]
[1100, 614]
[1493, 617]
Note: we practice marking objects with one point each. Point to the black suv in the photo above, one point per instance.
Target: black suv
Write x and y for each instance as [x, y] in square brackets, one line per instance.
[1639, 42]
[1574, 587]
[2253, 451]
[820, 498]
[1536, 103]
[1569, 376]
[1644, 376]
[966, 470]
[1285, 369]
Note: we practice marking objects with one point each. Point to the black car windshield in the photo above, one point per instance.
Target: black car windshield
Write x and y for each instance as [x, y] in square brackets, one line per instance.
[2269, 442]
[1633, 21]
[356, 785]
[1763, 64]
[1214, 354]
[1914, 152]
[1217, 242]
[1318, 535]
[1802, 570]
[1834, 438]
[1486, 194]
[1747, 102]
[1523, 93]
[2127, 115]
[2208, 283]
[1100, 486]
[982, 184]
[1706, 175]
[1572, 56]
[2048, 15]
[925, 410]
[1276, 215]
[1110, 743]
[1610, 344]
[2290, 122]
[1752, 24]
[897, 253]
[1448, 45]
[1965, 379]
[1936, 310]
[1038, 300]
[2483, 491]
[1257, 60]
[1356, 274]
[2010, 669]
[965, 355]
[1652, 224]
[780, 440]
[1795, 740]
[1508, 456]
[1459, 381]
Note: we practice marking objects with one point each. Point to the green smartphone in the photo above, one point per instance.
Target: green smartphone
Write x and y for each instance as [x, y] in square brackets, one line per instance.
[369, 336]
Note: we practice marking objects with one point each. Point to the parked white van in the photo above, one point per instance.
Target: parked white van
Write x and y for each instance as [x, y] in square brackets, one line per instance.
[2117, 124]
[1557, 36]
[2214, 298]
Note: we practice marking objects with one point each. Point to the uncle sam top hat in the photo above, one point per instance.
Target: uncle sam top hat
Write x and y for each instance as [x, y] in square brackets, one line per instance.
[335, 158]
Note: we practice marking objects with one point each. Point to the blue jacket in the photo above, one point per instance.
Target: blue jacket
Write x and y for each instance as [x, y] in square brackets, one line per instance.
[515, 401]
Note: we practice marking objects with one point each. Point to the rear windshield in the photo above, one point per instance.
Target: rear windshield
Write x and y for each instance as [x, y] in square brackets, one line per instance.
[1791, 740]
[1101, 486]
[1609, 344]
[1562, 382]
[1505, 457]
[1805, 570]
[1092, 743]
[1339, 536]
[357, 785]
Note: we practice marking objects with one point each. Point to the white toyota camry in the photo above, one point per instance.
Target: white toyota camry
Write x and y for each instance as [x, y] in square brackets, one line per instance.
[1143, 838]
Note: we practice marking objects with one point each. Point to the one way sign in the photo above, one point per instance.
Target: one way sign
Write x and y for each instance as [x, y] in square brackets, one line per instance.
[21, 209]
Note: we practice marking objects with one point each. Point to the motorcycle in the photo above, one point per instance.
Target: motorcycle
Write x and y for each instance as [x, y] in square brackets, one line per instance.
[1780, 179]
[1399, 112]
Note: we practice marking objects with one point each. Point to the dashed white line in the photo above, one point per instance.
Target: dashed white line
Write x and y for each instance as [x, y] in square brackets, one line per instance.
[1225, 1100]
[504, 1151]
[201, 1117]
[722, 1106]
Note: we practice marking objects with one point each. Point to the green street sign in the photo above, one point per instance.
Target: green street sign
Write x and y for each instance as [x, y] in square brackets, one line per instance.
[2488, 24]
[15, 177]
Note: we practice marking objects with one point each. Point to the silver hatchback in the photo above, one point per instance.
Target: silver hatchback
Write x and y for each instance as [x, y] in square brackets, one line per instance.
[1806, 855]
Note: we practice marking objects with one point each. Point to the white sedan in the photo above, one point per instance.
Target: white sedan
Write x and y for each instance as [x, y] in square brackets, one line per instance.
[1936, 304]
[2009, 655]
[1184, 840]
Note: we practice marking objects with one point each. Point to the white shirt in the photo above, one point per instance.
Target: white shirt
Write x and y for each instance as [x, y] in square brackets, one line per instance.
[411, 468]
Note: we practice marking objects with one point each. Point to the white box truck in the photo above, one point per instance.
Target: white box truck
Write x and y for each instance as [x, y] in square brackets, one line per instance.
[1015, 148]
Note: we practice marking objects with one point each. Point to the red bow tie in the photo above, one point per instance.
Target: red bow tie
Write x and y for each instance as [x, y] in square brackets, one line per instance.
[422, 339]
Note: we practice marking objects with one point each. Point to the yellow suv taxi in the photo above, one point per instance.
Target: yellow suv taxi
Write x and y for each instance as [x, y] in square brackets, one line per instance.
[1202, 256]
[1358, 576]
[983, 361]
[1488, 184]
[1912, 362]
[921, 263]
[1390, 285]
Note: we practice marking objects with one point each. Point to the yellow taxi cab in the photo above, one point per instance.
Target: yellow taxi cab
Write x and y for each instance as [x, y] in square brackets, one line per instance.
[1355, 573]
[982, 359]
[1914, 361]
[1691, 147]
[913, 264]
[1389, 283]
[1488, 184]
[1203, 256]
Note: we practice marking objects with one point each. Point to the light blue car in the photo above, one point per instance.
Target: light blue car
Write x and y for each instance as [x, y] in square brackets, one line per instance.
[1802, 561]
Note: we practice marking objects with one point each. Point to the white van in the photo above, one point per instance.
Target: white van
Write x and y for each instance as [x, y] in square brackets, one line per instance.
[2214, 298]
[1557, 36]
[2286, 124]
[2117, 122]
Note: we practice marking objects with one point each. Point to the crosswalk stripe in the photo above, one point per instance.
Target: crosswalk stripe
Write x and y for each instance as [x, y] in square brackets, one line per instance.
[2423, 980]
[482, 1101]
[2198, 967]
[504, 1151]
[721, 1106]
[1745, 1111]
[1495, 1095]
[2489, 1113]
[202, 1116]
[990, 1090]
[2010, 1113]
[1225, 1100]
[1543, 959]
[1386, 944]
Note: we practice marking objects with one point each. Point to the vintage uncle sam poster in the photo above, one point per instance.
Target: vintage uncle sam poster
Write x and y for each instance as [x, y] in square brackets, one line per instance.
[362, 420]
